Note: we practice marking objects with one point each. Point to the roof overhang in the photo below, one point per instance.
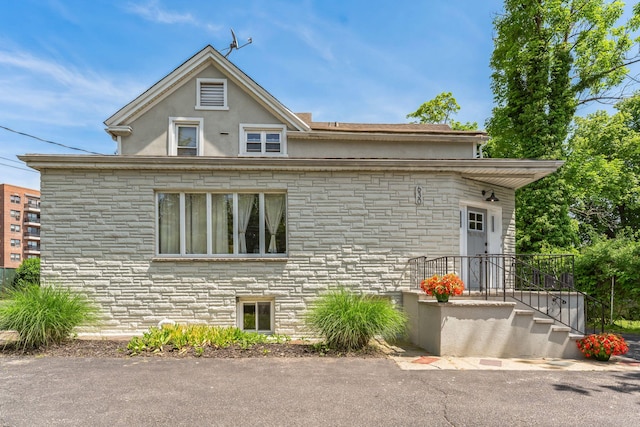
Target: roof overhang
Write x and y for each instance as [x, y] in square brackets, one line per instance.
[387, 136]
[508, 173]
[175, 79]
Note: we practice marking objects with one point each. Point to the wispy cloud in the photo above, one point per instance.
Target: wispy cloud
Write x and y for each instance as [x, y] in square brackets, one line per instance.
[47, 90]
[152, 11]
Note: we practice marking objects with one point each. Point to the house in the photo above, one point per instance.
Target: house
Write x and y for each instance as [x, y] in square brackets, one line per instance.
[224, 207]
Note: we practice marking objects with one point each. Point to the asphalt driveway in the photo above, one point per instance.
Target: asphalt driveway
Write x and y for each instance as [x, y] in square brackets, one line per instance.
[312, 392]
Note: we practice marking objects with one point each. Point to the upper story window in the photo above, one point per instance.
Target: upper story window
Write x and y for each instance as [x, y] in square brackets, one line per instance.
[15, 199]
[14, 214]
[185, 136]
[263, 140]
[15, 228]
[211, 94]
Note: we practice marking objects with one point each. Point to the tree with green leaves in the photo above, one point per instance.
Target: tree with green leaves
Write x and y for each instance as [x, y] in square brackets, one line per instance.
[27, 273]
[551, 57]
[440, 110]
[603, 172]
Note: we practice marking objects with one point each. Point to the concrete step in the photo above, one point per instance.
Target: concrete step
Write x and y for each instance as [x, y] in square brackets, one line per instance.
[543, 320]
[521, 312]
[558, 328]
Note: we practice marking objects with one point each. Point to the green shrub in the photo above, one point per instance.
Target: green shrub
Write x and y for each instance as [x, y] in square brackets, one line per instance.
[44, 315]
[197, 337]
[348, 321]
[28, 273]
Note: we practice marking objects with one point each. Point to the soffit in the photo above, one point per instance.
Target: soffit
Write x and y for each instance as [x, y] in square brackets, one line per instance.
[506, 173]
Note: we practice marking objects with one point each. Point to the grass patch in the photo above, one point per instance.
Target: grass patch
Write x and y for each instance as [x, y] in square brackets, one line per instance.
[348, 321]
[181, 337]
[625, 327]
[44, 315]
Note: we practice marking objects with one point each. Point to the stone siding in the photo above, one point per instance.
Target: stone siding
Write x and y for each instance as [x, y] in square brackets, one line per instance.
[347, 228]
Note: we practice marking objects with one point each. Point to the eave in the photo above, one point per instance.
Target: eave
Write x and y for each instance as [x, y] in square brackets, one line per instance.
[508, 173]
[180, 75]
[453, 137]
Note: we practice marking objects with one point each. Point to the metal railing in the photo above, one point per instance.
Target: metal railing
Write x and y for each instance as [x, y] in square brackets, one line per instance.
[544, 283]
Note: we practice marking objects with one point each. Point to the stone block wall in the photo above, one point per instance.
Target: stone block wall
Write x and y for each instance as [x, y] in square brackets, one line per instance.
[345, 228]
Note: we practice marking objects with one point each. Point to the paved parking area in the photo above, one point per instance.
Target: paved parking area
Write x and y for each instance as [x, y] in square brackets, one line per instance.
[51, 391]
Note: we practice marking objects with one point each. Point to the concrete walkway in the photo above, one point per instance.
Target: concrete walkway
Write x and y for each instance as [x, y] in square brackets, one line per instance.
[411, 358]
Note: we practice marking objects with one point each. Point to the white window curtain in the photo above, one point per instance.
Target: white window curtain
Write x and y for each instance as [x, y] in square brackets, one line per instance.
[220, 223]
[196, 223]
[273, 209]
[245, 203]
[169, 223]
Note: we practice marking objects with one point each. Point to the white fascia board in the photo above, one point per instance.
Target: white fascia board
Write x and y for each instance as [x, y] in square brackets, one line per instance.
[170, 83]
[478, 169]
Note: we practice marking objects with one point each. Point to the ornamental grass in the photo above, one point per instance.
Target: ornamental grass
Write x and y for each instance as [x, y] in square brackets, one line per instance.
[43, 316]
[347, 321]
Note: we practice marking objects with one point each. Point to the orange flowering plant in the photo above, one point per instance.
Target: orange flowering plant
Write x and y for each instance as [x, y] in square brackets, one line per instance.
[602, 346]
[449, 284]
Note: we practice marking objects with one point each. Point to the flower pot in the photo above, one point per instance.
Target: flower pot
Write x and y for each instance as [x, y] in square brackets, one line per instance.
[602, 358]
[442, 297]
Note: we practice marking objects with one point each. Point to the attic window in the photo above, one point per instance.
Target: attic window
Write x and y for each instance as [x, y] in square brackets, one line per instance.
[212, 94]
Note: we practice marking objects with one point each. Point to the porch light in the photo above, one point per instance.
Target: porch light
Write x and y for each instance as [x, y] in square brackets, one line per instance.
[492, 197]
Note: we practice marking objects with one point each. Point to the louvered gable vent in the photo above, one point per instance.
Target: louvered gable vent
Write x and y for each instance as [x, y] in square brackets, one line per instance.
[211, 94]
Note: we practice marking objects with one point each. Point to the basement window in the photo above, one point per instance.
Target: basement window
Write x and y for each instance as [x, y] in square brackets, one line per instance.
[256, 315]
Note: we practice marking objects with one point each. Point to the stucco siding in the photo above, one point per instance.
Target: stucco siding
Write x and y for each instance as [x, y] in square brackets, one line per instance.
[345, 228]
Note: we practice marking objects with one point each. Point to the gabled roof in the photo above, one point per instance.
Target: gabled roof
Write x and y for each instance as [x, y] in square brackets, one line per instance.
[207, 56]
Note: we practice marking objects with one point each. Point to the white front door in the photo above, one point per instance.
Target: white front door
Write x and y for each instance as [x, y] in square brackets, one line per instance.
[480, 234]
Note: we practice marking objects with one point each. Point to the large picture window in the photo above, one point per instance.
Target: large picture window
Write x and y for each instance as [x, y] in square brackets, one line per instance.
[220, 224]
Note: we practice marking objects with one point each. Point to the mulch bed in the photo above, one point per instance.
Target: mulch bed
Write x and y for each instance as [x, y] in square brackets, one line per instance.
[111, 348]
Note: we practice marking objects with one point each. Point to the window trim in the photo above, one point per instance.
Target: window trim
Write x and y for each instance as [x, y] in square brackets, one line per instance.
[270, 128]
[174, 123]
[263, 254]
[255, 300]
[199, 83]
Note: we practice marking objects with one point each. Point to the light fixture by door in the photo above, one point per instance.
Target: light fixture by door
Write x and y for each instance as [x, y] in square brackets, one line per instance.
[492, 197]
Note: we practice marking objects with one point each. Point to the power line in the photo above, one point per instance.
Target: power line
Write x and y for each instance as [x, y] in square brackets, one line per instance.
[12, 160]
[47, 141]
[16, 167]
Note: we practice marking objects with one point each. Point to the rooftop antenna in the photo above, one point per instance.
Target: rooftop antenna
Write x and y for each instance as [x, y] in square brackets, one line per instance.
[234, 44]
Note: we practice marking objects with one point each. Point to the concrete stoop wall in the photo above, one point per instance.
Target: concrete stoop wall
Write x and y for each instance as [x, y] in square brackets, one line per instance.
[484, 328]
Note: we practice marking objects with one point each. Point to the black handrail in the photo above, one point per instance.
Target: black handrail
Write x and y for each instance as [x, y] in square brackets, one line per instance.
[544, 283]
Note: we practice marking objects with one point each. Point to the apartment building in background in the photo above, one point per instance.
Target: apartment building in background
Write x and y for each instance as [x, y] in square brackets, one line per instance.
[19, 225]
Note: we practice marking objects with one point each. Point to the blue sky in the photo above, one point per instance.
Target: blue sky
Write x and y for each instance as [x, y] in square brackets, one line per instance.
[67, 65]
